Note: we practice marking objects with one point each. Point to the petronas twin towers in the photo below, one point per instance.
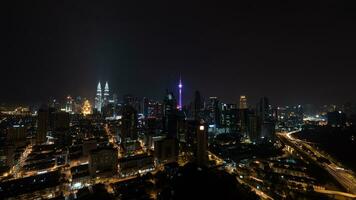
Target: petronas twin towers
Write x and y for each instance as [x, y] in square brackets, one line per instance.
[102, 99]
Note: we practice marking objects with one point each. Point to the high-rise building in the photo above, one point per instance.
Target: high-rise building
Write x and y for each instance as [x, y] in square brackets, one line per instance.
[243, 121]
[197, 106]
[264, 109]
[145, 105]
[229, 118]
[254, 127]
[98, 98]
[106, 94]
[129, 123]
[265, 115]
[133, 101]
[169, 103]
[202, 145]
[171, 116]
[69, 104]
[42, 125]
[60, 130]
[214, 111]
[243, 102]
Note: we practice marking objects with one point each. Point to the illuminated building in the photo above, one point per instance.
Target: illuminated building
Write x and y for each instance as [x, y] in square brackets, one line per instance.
[169, 104]
[202, 145]
[229, 118]
[243, 102]
[86, 109]
[30, 184]
[133, 165]
[69, 104]
[106, 94]
[214, 111]
[180, 86]
[98, 99]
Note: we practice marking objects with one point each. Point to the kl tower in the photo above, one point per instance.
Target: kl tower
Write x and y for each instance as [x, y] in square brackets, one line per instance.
[180, 87]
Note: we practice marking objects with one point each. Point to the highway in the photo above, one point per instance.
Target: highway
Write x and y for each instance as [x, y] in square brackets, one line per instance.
[345, 177]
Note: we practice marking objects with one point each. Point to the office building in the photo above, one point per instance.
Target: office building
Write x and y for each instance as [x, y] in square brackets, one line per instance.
[129, 123]
[42, 125]
[202, 145]
[243, 102]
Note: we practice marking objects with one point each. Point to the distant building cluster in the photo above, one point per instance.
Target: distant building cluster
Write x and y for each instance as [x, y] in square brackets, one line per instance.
[58, 149]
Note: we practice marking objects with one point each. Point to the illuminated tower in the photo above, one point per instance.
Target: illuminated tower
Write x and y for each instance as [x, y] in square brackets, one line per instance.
[106, 93]
[180, 87]
[98, 98]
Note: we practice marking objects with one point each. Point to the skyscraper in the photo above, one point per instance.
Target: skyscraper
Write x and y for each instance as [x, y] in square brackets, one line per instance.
[264, 112]
[264, 109]
[169, 104]
[243, 102]
[202, 146]
[69, 104]
[98, 98]
[180, 86]
[129, 123]
[214, 111]
[42, 125]
[106, 94]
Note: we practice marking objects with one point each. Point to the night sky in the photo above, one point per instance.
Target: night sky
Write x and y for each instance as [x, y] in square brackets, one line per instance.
[292, 53]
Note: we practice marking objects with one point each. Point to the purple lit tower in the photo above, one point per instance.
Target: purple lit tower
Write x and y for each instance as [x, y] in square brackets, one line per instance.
[180, 86]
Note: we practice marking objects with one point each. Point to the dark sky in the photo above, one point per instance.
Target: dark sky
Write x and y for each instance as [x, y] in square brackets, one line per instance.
[290, 52]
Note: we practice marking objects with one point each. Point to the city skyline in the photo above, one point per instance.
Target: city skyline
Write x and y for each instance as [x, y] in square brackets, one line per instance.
[178, 100]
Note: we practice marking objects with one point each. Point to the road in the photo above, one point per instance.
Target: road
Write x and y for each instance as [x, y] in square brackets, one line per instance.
[345, 177]
[17, 168]
[112, 139]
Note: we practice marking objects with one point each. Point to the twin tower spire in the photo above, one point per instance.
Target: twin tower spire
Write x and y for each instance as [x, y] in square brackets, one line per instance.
[101, 98]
